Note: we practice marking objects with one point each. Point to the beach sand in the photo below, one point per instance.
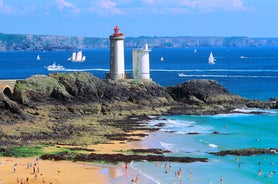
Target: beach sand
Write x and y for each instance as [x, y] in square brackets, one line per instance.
[63, 172]
[55, 172]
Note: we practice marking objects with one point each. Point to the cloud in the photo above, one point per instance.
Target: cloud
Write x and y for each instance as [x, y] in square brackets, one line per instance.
[212, 5]
[5, 8]
[193, 5]
[62, 4]
[105, 7]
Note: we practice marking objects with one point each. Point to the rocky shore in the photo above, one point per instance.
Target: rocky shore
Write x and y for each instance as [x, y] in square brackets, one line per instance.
[80, 109]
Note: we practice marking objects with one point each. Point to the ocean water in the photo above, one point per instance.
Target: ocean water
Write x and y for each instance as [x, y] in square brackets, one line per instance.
[237, 131]
[249, 72]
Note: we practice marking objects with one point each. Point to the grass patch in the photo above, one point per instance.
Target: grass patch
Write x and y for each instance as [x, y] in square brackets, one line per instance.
[31, 151]
[24, 151]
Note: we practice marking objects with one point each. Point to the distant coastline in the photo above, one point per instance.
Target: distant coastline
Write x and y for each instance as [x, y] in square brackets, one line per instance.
[24, 42]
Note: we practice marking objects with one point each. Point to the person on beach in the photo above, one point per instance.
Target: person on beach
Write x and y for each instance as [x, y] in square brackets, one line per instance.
[137, 179]
[34, 169]
[59, 170]
[15, 167]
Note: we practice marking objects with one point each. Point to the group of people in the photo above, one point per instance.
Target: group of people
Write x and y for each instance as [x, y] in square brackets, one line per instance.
[178, 174]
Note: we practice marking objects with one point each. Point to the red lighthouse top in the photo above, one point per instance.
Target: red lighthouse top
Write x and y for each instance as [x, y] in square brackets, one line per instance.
[116, 32]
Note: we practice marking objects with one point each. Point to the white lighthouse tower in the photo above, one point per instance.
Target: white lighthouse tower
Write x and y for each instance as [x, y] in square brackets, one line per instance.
[141, 63]
[117, 65]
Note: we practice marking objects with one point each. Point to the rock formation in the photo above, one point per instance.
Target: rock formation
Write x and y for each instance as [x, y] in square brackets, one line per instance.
[78, 108]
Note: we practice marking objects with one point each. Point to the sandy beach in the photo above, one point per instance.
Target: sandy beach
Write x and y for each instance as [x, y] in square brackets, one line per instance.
[28, 170]
[37, 171]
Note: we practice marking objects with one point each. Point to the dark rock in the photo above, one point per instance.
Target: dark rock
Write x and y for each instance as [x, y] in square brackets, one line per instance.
[247, 152]
[193, 133]
[154, 151]
[196, 91]
[120, 158]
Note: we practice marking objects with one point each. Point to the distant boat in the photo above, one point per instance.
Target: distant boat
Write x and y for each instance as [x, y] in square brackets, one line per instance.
[195, 51]
[38, 57]
[161, 59]
[181, 75]
[211, 59]
[77, 57]
[55, 67]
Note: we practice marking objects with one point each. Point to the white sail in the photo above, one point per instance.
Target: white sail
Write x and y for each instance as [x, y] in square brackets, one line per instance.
[77, 56]
[38, 57]
[161, 59]
[211, 59]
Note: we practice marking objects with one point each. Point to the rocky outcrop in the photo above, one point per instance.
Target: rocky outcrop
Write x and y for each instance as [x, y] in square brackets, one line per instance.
[247, 152]
[78, 108]
[201, 92]
[209, 97]
[114, 158]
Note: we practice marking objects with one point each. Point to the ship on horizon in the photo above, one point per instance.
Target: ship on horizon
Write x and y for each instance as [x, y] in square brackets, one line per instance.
[77, 57]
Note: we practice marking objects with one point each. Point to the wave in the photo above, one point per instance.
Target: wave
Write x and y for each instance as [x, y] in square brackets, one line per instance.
[255, 111]
[214, 70]
[227, 76]
[143, 174]
[167, 146]
[208, 144]
[181, 126]
[257, 57]
[89, 69]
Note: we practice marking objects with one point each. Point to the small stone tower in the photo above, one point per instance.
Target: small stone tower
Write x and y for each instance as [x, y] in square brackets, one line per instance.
[141, 63]
[117, 62]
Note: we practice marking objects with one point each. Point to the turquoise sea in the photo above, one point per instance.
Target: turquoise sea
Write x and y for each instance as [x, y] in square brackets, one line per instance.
[249, 72]
[237, 131]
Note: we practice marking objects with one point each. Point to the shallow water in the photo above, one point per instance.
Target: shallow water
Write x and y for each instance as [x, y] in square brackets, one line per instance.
[237, 131]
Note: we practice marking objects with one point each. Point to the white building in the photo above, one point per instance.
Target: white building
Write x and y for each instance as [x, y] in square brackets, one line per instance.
[141, 63]
[117, 65]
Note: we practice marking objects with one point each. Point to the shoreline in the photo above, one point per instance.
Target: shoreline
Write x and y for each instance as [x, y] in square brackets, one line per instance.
[15, 170]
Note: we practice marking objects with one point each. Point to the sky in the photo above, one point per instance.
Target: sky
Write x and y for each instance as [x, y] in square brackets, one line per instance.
[97, 18]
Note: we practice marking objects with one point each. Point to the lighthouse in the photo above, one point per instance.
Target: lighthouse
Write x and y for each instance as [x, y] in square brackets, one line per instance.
[141, 63]
[117, 65]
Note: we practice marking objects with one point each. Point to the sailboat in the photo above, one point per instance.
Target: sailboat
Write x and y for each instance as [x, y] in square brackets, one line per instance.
[211, 59]
[77, 57]
[38, 57]
[161, 59]
[195, 51]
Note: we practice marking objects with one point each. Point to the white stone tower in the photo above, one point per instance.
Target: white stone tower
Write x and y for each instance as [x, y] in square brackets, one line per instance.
[117, 62]
[141, 63]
